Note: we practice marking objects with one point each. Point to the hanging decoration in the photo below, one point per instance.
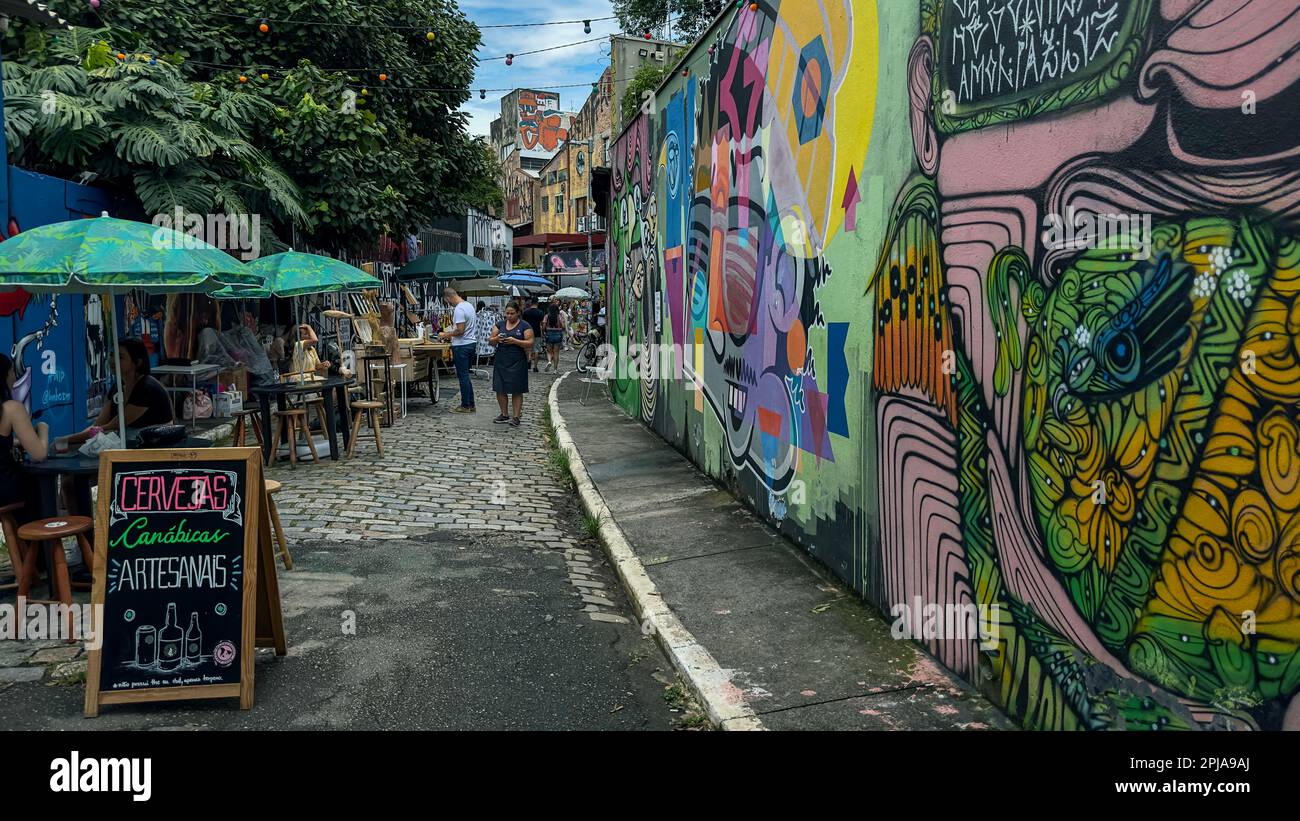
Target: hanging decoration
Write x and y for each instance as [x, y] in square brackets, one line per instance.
[510, 59]
[264, 27]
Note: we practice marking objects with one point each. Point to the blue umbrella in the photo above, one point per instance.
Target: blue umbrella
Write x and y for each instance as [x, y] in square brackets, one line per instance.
[529, 281]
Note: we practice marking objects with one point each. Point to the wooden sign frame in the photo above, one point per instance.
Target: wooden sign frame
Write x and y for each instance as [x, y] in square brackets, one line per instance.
[257, 610]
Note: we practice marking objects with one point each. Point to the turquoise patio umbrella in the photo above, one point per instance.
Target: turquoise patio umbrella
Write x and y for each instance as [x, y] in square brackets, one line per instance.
[294, 273]
[109, 256]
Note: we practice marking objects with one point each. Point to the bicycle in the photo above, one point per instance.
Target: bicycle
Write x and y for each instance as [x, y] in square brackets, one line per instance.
[589, 353]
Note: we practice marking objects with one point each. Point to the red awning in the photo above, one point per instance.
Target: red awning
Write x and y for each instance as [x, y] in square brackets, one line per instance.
[559, 240]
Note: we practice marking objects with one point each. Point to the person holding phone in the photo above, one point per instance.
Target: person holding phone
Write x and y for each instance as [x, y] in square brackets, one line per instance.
[513, 340]
[305, 358]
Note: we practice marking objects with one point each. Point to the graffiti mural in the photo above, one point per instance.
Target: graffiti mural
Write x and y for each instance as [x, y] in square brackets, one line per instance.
[542, 125]
[1001, 308]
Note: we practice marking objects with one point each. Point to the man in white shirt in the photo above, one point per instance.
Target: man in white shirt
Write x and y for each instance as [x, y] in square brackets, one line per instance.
[464, 339]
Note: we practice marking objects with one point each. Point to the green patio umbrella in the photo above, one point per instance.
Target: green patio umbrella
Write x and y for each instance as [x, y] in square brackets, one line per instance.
[294, 273]
[482, 286]
[109, 256]
[443, 265]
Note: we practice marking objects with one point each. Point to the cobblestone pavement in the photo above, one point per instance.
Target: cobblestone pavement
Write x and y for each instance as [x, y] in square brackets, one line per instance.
[439, 471]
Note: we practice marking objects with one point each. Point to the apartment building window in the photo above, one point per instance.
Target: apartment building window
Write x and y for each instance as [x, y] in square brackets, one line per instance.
[559, 205]
[545, 204]
[606, 154]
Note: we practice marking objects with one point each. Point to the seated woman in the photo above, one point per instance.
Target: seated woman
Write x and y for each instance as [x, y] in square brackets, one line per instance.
[305, 358]
[147, 401]
[16, 428]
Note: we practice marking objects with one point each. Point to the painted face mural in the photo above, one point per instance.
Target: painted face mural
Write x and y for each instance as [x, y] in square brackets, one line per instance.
[1056, 377]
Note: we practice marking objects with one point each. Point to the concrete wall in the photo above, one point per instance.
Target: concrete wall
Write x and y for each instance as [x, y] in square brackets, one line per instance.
[997, 317]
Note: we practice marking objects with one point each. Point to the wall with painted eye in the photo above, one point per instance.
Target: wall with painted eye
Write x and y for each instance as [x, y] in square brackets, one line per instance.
[1000, 318]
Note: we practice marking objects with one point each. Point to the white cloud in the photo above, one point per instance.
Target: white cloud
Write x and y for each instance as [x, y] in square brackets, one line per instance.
[577, 64]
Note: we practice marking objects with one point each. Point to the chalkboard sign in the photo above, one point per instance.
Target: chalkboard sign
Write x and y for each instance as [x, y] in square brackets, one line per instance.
[177, 562]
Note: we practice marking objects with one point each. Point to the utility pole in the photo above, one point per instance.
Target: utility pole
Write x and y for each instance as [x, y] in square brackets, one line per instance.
[591, 208]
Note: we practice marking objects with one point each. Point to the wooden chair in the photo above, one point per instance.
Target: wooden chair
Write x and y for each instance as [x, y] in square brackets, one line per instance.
[273, 487]
[9, 526]
[296, 421]
[368, 407]
[241, 426]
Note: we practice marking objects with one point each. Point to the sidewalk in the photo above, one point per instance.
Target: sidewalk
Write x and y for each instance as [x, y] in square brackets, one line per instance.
[794, 649]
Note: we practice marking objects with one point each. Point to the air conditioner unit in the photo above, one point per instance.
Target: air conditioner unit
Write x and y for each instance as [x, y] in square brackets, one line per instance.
[659, 55]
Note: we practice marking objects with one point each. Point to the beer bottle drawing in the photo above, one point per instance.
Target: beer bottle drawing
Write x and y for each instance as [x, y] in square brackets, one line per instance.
[193, 640]
[170, 641]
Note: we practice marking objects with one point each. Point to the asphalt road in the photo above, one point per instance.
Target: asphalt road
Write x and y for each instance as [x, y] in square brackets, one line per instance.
[453, 631]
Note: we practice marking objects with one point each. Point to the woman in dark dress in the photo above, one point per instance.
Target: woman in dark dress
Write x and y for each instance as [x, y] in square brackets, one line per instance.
[513, 339]
[147, 401]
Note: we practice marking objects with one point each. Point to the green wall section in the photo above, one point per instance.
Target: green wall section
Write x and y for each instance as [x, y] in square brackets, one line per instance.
[995, 310]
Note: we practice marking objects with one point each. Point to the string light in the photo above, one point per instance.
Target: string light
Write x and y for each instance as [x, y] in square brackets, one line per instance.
[264, 27]
[383, 78]
[482, 93]
[429, 36]
[510, 59]
[586, 26]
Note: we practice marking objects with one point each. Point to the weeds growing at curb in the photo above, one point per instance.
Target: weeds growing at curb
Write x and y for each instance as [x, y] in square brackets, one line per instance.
[679, 700]
[591, 525]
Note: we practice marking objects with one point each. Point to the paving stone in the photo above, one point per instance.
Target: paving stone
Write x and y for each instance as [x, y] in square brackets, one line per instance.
[602, 601]
[12, 674]
[56, 654]
[608, 617]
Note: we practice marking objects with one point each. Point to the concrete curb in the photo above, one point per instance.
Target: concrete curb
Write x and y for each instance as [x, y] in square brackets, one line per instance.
[722, 700]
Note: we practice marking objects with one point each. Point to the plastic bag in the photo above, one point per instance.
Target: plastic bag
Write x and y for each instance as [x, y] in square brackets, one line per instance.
[102, 441]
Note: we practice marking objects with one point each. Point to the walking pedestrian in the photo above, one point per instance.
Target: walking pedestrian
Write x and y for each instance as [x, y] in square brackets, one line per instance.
[533, 316]
[461, 334]
[513, 338]
[553, 335]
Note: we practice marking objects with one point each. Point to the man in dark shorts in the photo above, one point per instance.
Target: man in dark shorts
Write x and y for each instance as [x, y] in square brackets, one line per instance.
[533, 315]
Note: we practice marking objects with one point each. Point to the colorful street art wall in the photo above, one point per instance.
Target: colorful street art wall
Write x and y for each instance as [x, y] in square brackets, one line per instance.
[997, 305]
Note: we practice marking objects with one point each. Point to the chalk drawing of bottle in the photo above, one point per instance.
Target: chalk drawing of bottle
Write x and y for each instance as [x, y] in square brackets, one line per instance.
[170, 642]
[193, 641]
[146, 645]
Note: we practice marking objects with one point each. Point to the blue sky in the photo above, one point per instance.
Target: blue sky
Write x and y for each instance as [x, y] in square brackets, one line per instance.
[578, 64]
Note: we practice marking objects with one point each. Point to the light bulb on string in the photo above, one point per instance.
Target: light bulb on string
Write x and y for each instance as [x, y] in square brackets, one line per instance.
[94, 4]
[430, 36]
[586, 27]
[482, 94]
[383, 78]
[510, 59]
[264, 27]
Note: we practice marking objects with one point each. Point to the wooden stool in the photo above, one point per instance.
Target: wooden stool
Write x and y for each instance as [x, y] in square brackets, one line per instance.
[369, 407]
[296, 419]
[317, 404]
[16, 549]
[241, 426]
[35, 534]
[273, 487]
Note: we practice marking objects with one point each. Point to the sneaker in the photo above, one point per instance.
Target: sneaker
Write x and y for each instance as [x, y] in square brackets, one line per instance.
[462, 410]
[501, 420]
[514, 423]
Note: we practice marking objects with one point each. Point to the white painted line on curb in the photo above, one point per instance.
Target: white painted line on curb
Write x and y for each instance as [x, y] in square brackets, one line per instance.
[722, 700]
